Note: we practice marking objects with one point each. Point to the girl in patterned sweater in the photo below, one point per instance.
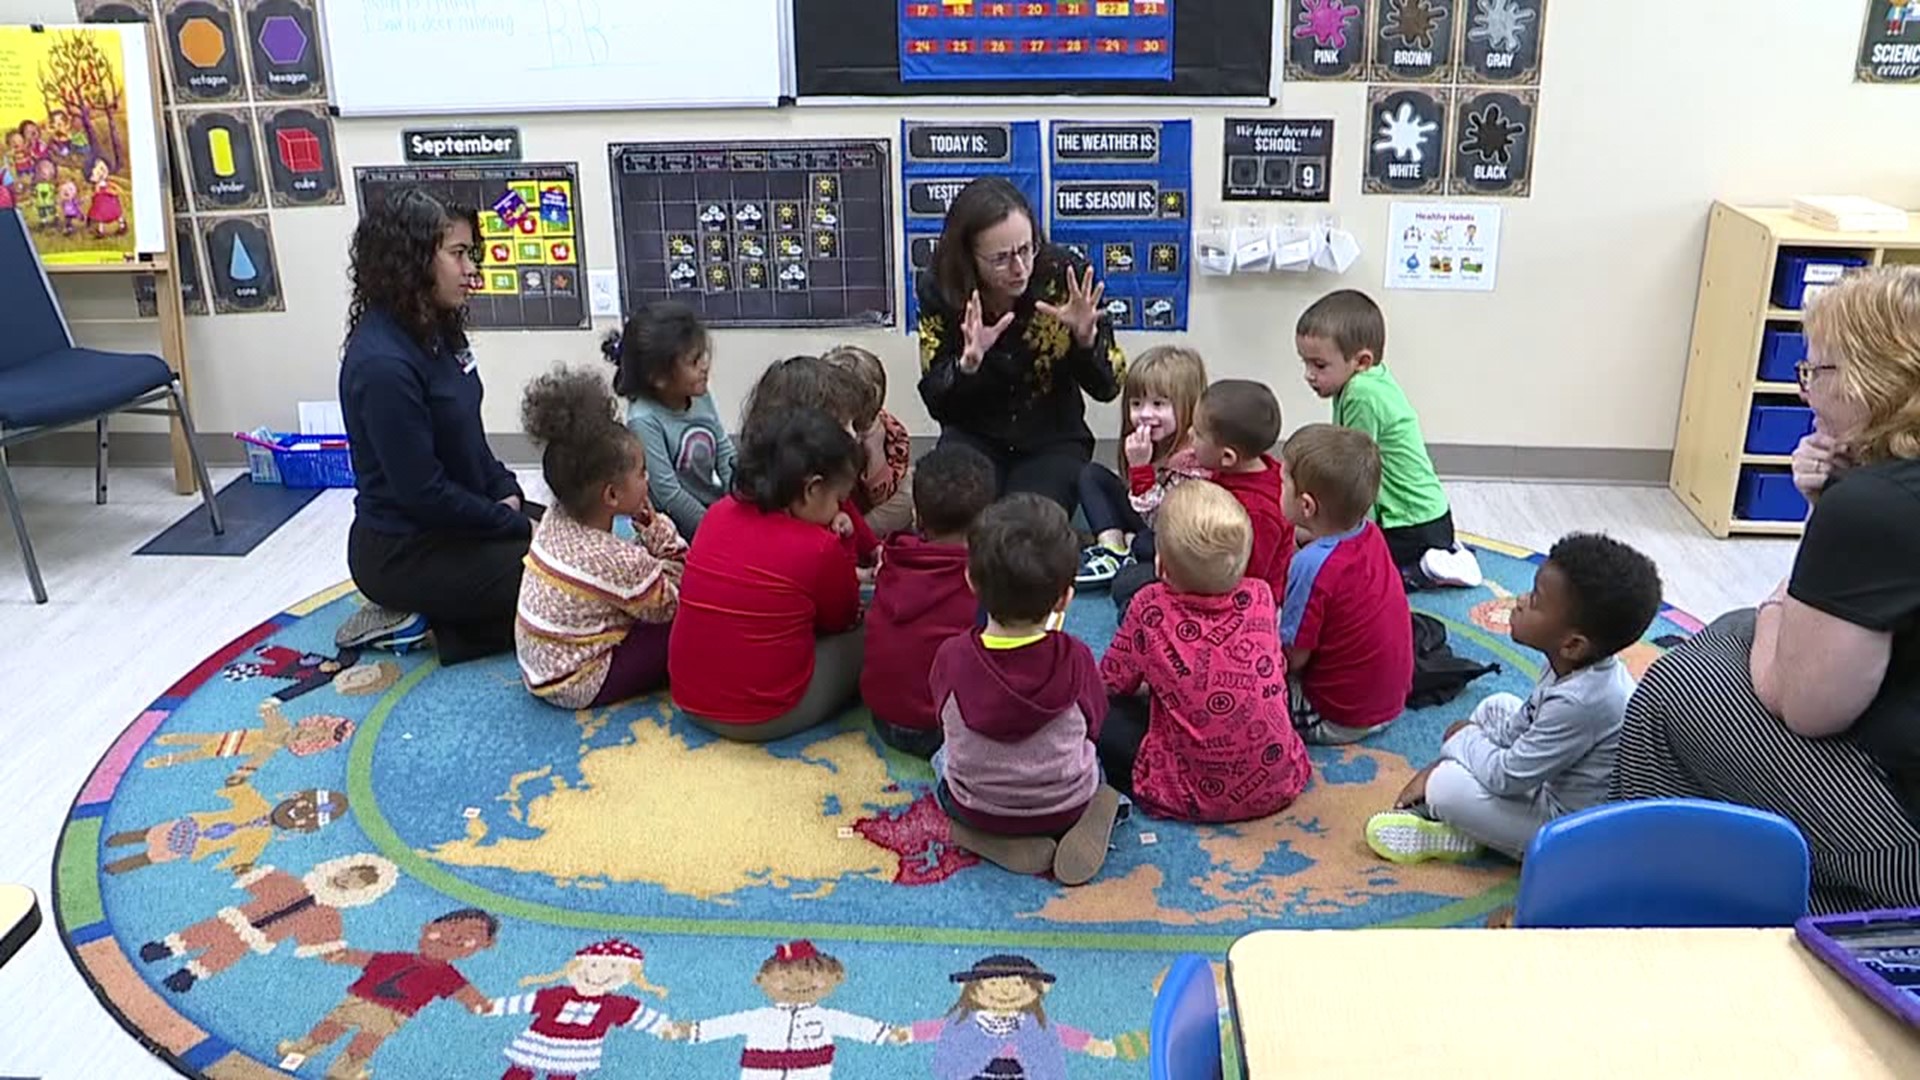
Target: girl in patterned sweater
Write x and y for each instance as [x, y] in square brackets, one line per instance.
[1156, 452]
[594, 610]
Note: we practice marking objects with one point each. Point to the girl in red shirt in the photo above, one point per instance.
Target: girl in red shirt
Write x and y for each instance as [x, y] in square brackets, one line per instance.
[766, 642]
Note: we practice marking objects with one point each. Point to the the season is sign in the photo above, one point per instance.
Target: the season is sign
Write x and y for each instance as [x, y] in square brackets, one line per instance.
[462, 145]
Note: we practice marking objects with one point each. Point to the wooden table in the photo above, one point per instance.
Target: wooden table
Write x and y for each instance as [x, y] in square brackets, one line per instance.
[1561, 1003]
[19, 918]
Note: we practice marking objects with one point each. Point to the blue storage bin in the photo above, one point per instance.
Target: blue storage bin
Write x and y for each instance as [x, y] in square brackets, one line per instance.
[1768, 495]
[1777, 429]
[1780, 351]
[1798, 272]
[314, 461]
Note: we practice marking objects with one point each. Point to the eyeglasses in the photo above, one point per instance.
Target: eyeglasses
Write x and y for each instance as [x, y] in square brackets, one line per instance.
[1805, 370]
[1004, 259]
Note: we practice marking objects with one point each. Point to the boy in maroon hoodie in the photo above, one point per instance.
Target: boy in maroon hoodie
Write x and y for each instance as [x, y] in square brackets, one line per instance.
[921, 597]
[1021, 707]
[1234, 426]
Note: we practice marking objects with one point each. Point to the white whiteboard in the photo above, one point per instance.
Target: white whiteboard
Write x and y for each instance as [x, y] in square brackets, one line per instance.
[432, 57]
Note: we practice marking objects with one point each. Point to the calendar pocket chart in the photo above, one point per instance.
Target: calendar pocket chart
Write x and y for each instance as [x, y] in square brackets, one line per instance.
[938, 159]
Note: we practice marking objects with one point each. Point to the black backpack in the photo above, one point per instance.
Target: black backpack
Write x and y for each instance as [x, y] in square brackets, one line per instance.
[1438, 675]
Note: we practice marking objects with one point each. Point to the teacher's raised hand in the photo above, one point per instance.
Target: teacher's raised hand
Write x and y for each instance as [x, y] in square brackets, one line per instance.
[1081, 312]
[977, 336]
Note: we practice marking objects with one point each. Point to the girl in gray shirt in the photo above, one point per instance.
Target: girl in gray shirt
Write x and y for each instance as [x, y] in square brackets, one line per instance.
[661, 359]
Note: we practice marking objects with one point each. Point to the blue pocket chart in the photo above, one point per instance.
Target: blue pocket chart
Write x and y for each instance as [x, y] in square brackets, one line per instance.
[1122, 196]
[938, 159]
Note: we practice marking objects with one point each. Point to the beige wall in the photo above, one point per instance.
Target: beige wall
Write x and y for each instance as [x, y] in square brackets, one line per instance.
[1651, 108]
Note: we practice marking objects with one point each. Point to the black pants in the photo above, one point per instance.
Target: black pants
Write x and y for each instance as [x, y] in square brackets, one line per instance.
[1128, 583]
[1120, 738]
[467, 587]
[1106, 503]
[1053, 472]
[1409, 542]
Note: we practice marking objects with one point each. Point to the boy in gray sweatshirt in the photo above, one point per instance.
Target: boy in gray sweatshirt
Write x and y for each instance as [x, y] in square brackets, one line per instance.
[1515, 765]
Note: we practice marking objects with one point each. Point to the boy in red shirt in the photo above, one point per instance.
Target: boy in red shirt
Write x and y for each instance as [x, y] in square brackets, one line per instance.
[1235, 426]
[1344, 620]
[922, 598]
[1216, 743]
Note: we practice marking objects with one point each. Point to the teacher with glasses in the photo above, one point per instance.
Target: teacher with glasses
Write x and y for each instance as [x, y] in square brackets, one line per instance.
[1013, 338]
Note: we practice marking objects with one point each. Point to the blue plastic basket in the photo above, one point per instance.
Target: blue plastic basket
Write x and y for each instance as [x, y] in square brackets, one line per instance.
[313, 461]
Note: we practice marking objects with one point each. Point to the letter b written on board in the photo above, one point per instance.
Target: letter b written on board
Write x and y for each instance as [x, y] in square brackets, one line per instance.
[576, 33]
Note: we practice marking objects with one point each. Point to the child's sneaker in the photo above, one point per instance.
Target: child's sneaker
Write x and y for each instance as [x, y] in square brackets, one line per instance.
[1098, 565]
[1403, 836]
[375, 627]
[1454, 566]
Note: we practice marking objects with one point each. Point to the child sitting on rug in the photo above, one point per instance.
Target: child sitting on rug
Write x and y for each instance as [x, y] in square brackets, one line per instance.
[921, 597]
[1515, 765]
[767, 641]
[1345, 621]
[1342, 341]
[1235, 428]
[1021, 706]
[594, 609]
[885, 494]
[808, 382]
[1162, 386]
[661, 359]
[1201, 644]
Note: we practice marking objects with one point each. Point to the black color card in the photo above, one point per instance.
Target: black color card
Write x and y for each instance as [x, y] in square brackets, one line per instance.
[1413, 40]
[1501, 41]
[1284, 160]
[1493, 135]
[1406, 140]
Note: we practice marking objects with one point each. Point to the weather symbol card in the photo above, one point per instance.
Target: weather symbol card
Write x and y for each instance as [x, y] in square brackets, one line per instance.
[203, 50]
[1890, 45]
[240, 259]
[1493, 136]
[302, 167]
[1501, 41]
[1406, 140]
[222, 159]
[1327, 39]
[1413, 40]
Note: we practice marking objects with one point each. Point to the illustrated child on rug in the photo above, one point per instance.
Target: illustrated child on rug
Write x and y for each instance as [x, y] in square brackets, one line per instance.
[767, 640]
[794, 1038]
[1344, 621]
[243, 830]
[1342, 340]
[885, 494]
[661, 360]
[921, 597]
[1021, 706]
[306, 672]
[999, 1027]
[255, 747]
[393, 987]
[282, 907]
[1513, 765]
[1161, 389]
[1197, 727]
[595, 611]
[571, 1023]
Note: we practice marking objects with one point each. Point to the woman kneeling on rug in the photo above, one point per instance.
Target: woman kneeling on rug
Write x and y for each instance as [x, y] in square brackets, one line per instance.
[1810, 707]
[440, 526]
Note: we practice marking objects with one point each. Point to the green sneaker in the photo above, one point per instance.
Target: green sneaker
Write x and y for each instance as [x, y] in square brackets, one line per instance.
[1402, 836]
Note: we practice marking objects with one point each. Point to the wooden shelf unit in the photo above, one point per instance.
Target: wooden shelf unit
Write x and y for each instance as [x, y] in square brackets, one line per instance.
[1723, 362]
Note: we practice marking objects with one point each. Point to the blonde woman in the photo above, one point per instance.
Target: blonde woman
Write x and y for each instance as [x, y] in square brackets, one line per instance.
[1810, 707]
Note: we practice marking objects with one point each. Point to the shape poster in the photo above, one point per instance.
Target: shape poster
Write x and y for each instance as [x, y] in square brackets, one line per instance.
[937, 159]
[1121, 198]
[1890, 44]
[1502, 42]
[302, 167]
[1326, 39]
[531, 264]
[1279, 159]
[81, 159]
[243, 269]
[786, 233]
[186, 265]
[1493, 142]
[114, 11]
[222, 159]
[967, 40]
[284, 40]
[203, 50]
[1443, 246]
[1413, 40]
[1407, 133]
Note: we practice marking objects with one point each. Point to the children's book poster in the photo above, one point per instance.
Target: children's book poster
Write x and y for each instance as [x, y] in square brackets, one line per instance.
[82, 162]
[1890, 45]
[1443, 246]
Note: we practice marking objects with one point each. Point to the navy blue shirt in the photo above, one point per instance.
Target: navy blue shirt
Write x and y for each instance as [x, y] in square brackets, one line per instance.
[420, 454]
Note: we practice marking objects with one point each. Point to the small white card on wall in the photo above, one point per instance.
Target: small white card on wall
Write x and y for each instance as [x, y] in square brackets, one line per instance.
[1452, 246]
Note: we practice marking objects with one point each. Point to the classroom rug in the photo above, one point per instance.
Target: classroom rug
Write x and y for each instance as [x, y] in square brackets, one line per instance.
[291, 832]
[249, 512]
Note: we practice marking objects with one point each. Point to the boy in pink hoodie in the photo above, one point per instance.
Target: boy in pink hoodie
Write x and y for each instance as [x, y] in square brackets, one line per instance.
[921, 597]
[1021, 707]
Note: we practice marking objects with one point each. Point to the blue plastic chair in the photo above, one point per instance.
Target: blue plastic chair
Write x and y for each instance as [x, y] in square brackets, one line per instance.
[1183, 1041]
[1664, 862]
[46, 383]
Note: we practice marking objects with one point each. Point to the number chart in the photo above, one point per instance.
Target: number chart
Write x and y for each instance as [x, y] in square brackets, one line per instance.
[1283, 160]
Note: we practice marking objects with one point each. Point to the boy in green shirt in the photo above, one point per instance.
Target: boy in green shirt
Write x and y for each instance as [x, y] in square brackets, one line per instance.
[1342, 340]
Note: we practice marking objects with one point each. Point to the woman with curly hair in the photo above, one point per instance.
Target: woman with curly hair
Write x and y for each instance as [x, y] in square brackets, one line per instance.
[1810, 706]
[440, 526]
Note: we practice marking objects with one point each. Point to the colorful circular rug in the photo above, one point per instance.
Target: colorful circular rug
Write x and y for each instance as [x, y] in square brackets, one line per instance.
[291, 832]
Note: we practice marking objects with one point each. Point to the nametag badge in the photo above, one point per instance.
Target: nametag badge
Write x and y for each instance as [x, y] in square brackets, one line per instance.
[467, 362]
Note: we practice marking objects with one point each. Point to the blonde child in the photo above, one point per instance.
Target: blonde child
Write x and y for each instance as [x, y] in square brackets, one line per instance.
[885, 494]
[1162, 387]
[571, 1023]
[594, 610]
[661, 359]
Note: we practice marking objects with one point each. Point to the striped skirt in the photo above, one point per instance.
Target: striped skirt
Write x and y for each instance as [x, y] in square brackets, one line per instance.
[1695, 729]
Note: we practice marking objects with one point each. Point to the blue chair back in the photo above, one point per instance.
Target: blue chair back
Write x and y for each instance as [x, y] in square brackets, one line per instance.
[1183, 1042]
[35, 326]
[1664, 862]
